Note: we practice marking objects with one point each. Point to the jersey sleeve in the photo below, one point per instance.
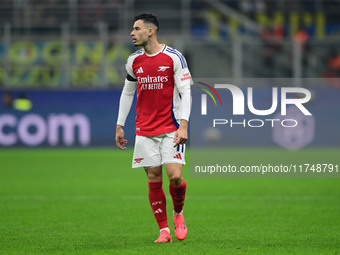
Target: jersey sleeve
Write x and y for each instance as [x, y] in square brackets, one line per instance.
[183, 82]
[126, 100]
[181, 72]
[128, 67]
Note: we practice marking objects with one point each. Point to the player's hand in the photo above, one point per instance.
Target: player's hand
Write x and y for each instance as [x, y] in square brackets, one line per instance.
[181, 135]
[120, 141]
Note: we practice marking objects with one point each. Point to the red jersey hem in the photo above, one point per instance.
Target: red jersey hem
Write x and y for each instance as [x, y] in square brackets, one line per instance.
[168, 130]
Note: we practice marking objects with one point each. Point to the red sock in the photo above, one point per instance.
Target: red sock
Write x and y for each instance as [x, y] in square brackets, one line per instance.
[178, 196]
[158, 203]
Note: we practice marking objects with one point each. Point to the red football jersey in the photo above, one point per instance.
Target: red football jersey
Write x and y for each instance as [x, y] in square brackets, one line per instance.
[158, 78]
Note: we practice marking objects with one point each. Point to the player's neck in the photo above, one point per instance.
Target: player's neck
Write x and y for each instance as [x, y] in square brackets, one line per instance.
[153, 47]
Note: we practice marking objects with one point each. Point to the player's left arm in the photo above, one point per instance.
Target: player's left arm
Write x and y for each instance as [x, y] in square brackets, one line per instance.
[181, 135]
[183, 82]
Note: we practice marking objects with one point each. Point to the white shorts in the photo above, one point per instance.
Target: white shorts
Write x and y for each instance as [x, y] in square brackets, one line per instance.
[152, 151]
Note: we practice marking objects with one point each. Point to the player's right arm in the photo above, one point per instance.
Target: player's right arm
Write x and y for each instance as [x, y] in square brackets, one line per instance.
[120, 141]
[125, 104]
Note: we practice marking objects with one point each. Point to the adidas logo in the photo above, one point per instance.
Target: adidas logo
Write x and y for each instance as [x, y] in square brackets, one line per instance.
[140, 70]
[159, 210]
[178, 156]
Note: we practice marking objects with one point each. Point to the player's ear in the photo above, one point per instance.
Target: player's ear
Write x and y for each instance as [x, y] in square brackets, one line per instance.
[151, 31]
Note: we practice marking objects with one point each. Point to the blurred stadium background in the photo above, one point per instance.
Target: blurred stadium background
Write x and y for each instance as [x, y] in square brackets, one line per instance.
[83, 43]
[67, 56]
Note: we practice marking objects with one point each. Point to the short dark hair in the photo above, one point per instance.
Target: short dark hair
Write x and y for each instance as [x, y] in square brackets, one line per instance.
[148, 18]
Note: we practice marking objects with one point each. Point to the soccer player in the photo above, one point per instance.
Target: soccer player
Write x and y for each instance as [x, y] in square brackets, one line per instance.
[162, 80]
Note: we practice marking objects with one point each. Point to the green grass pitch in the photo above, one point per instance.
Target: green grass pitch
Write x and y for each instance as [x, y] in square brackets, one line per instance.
[89, 201]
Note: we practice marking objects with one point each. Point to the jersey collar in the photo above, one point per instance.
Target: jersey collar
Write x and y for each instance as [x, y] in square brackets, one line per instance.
[152, 55]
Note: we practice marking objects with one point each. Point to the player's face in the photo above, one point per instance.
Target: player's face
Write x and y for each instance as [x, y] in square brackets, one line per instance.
[140, 33]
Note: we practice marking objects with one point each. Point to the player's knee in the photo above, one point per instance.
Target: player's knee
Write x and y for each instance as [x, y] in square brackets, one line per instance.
[154, 177]
[176, 180]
